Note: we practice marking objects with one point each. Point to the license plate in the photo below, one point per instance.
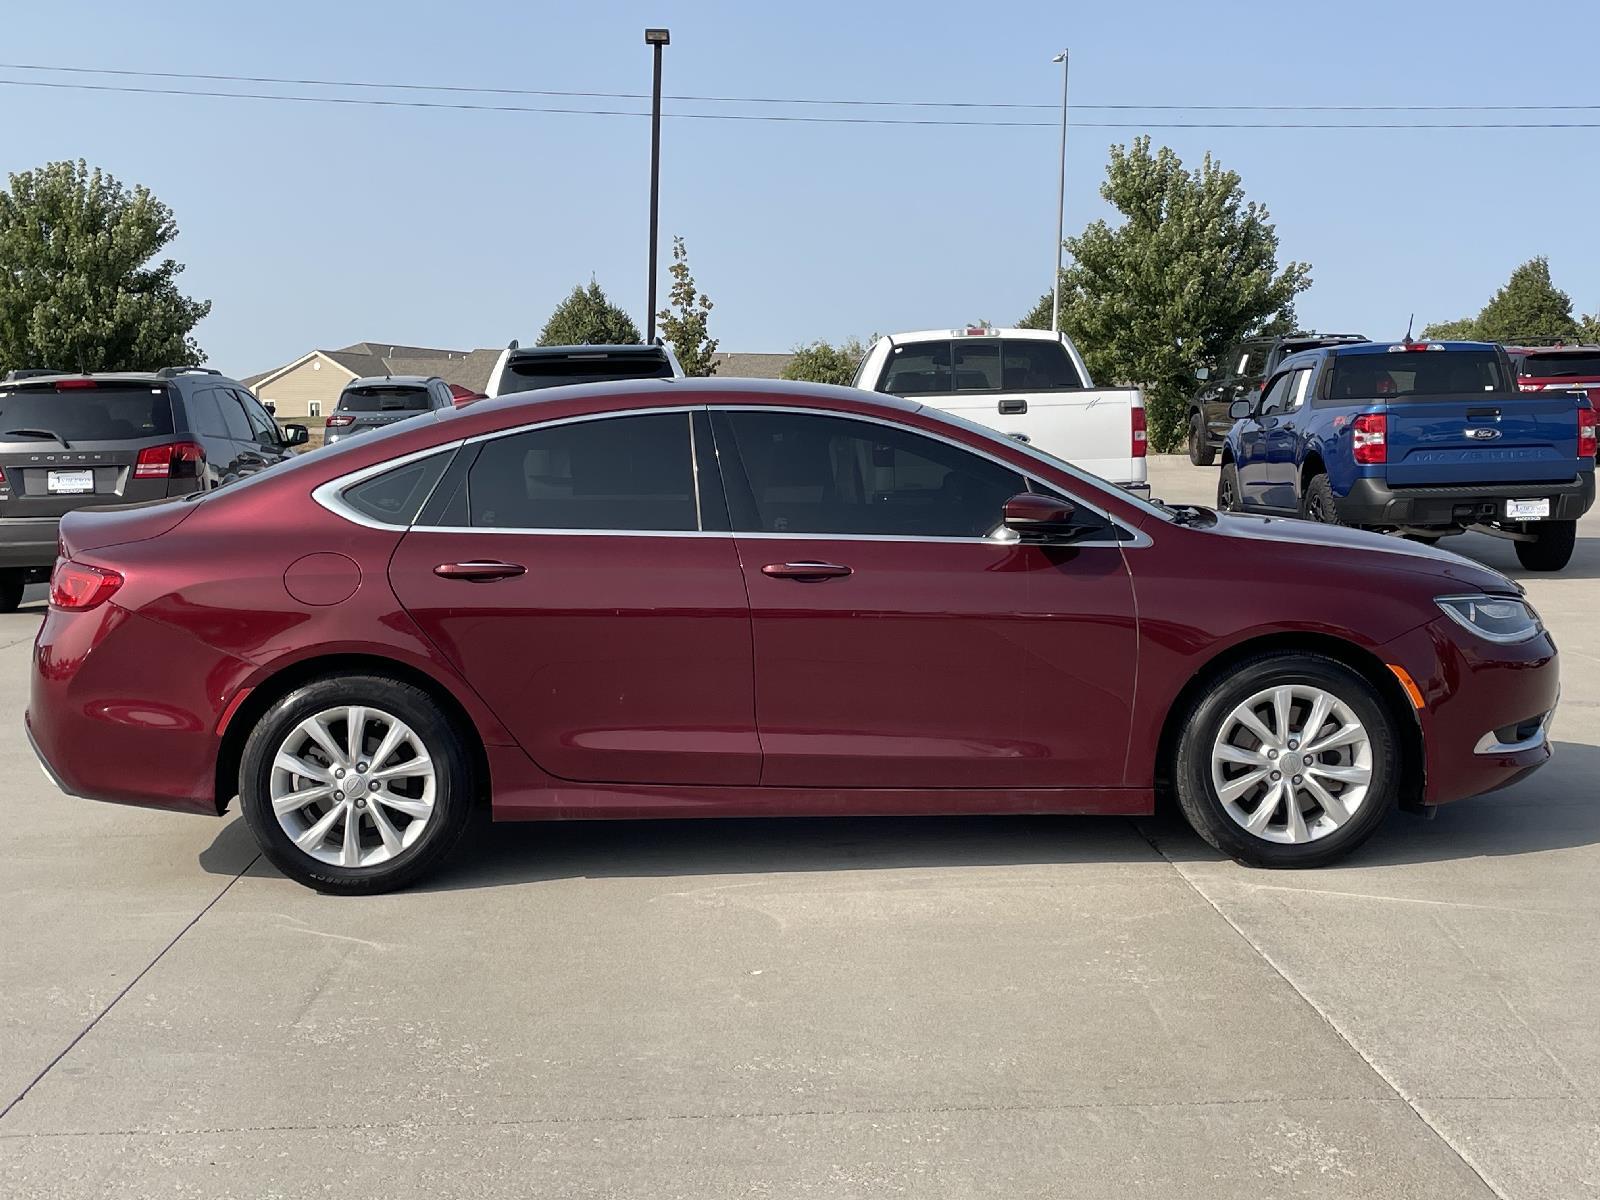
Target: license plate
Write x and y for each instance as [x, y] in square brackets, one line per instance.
[1527, 510]
[69, 482]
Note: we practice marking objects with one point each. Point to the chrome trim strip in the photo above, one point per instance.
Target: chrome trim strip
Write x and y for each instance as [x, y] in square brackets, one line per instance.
[331, 494]
[1490, 744]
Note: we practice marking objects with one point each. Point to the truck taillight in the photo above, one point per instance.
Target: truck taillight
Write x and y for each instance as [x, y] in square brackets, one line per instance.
[1370, 438]
[339, 420]
[1141, 439]
[76, 586]
[1587, 420]
[175, 460]
[1527, 387]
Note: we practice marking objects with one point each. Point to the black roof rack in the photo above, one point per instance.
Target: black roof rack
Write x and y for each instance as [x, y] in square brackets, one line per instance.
[170, 372]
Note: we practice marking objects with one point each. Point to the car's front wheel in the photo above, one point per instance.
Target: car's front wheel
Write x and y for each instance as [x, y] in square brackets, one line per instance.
[356, 785]
[1551, 548]
[1291, 759]
[1201, 452]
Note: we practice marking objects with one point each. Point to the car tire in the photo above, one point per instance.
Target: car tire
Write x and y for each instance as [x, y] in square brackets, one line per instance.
[1552, 548]
[406, 821]
[11, 589]
[1201, 452]
[1318, 503]
[1221, 752]
[1228, 488]
[1423, 539]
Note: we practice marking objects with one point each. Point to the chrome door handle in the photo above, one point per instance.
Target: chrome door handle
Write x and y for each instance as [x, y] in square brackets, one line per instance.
[805, 571]
[479, 570]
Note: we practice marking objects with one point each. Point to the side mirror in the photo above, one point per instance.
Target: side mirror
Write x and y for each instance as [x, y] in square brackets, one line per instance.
[1037, 518]
[1240, 409]
[1203, 374]
[296, 435]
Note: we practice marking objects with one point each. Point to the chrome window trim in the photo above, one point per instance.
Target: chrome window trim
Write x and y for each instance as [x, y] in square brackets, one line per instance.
[329, 495]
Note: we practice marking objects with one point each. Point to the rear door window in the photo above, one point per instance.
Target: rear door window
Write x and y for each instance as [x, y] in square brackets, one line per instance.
[380, 399]
[262, 427]
[234, 421]
[103, 413]
[609, 473]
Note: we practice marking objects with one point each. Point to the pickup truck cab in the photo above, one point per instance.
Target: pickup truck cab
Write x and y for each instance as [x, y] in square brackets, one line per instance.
[1029, 384]
[1424, 439]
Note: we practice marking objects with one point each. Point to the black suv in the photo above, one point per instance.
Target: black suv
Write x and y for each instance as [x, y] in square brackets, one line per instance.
[71, 441]
[1242, 371]
[372, 403]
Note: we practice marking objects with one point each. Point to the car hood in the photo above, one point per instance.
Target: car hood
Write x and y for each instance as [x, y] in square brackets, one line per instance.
[1388, 551]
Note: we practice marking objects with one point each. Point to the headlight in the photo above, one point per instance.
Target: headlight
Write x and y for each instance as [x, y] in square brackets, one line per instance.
[1498, 618]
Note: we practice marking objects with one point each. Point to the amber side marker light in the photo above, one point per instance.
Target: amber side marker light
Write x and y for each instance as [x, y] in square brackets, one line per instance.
[1409, 684]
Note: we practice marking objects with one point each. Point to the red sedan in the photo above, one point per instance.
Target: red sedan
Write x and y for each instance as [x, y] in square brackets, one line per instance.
[690, 597]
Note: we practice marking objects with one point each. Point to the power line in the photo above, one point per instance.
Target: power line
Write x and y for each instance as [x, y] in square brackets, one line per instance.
[501, 91]
[785, 118]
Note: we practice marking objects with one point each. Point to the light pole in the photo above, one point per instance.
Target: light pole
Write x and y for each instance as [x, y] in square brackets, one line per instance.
[656, 38]
[1061, 199]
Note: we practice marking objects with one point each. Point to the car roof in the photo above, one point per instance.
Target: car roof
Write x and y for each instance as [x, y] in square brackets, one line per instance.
[391, 380]
[153, 378]
[587, 351]
[1383, 347]
[1583, 348]
[951, 331]
[778, 393]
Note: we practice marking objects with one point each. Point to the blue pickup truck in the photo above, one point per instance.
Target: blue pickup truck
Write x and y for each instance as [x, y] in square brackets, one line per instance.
[1423, 439]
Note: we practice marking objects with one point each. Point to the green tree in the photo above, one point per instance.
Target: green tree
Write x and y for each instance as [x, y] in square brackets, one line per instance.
[587, 318]
[1589, 329]
[822, 362]
[1190, 270]
[1528, 308]
[1465, 329]
[79, 284]
[684, 321]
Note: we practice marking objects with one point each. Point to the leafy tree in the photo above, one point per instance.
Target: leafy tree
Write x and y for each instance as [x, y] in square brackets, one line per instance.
[1463, 330]
[79, 287]
[822, 362]
[1528, 308]
[1589, 329]
[1192, 269]
[683, 321]
[587, 318]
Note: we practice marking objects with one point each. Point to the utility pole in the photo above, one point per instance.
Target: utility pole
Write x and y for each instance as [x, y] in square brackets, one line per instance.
[656, 38]
[1061, 199]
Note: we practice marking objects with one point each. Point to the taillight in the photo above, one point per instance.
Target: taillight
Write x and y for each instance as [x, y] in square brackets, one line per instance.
[76, 587]
[1527, 387]
[1141, 440]
[340, 420]
[175, 460]
[1370, 438]
[1587, 420]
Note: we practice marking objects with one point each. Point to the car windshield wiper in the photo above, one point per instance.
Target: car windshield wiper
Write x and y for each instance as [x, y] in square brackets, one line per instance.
[44, 433]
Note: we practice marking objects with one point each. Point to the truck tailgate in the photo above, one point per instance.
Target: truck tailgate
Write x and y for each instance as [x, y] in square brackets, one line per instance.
[1092, 429]
[1440, 441]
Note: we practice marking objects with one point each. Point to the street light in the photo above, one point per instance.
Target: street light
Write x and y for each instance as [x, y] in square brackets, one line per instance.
[1061, 199]
[656, 38]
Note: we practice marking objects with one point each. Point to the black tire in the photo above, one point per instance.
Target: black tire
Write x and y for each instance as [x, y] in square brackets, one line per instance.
[1228, 488]
[1201, 452]
[444, 743]
[1422, 539]
[1202, 723]
[1318, 503]
[11, 587]
[1553, 548]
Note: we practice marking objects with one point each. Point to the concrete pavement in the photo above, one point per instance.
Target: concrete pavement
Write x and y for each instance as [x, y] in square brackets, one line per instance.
[986, 1007]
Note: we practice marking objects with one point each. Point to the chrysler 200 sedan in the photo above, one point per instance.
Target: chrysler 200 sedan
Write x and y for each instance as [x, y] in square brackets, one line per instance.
[698, 598]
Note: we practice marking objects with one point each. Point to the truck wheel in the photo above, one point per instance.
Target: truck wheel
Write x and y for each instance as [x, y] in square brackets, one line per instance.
[1201, 452]
[11, 585]
[1318, 503]
[1228, 488]
[1552, 548]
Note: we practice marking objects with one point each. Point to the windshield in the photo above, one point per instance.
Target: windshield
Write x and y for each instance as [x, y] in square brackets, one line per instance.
[384, 399]
[92, 414]
[986, 364]
[1584, 365]
[546, 371]
[1400, 374]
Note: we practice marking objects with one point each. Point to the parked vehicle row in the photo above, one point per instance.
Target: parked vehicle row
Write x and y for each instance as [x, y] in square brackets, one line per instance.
[700, 597]
[1425, 439]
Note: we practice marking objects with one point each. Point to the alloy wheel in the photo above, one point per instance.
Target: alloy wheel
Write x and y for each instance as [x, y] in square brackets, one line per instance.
[353, 786]
[1291, 764]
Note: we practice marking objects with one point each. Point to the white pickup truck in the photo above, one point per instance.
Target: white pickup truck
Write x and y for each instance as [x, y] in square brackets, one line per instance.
[1029, 384]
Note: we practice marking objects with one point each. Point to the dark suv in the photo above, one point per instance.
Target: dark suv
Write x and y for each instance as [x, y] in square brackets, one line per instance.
[1240, 373]
[372, 403]
[72, 441]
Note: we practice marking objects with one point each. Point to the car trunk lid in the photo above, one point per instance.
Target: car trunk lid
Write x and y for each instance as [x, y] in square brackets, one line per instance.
[115, 525]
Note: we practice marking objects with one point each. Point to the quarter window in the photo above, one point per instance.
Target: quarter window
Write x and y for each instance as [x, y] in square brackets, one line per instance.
[396, 496]
[616, 473]
[814, 474]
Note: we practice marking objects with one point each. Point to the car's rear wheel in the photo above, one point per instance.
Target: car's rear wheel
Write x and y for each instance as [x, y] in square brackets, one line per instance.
[1289, 760]
[1228, 488]
[11, 588]
[1201, 452]
[356, 785]
[1318, 503]
[1551, 548]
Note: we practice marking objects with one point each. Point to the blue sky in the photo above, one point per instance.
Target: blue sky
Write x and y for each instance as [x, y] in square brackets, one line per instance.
[315, 225]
